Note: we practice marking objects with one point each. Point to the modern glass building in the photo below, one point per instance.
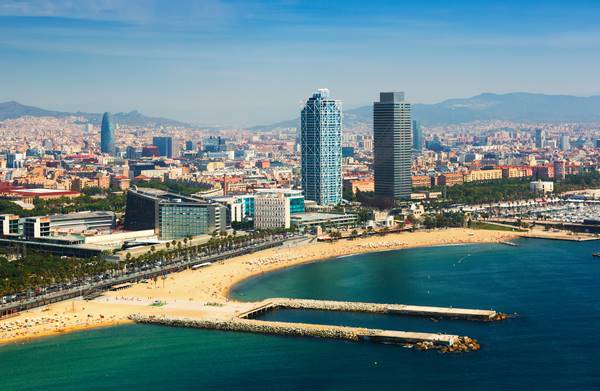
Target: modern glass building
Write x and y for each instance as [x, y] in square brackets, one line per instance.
[321, 146]
[540, 138]
[107, 135]
[164, 145]
[392, 146]
[177, 220]
[172, 215]
[417, 136]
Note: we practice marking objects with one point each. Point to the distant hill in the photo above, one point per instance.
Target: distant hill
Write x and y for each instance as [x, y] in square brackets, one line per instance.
[10, 110]
[518, 106]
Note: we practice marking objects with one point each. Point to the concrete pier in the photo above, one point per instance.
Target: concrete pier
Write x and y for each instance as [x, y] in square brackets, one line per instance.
[398, 309]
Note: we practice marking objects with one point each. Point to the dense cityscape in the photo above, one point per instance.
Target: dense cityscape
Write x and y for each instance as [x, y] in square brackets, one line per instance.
[359, 244]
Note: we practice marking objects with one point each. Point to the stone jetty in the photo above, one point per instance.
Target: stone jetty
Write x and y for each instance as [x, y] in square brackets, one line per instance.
[240, 317]
[421, 341]
[397, 309]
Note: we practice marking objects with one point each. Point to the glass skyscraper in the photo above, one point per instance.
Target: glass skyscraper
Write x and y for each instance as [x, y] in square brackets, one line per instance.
[417, 134]
[321, 141]
[164, 145]
[392, 146]
[107, 135]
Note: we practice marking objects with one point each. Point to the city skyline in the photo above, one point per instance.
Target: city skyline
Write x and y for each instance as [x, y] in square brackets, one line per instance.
[198, 55]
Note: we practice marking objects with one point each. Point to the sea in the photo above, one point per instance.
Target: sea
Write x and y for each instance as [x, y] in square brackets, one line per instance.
[551, 343]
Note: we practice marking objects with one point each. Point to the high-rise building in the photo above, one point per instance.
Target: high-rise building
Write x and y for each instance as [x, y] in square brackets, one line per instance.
[564, 143]
[540, 138]
[417, 136]
[164, 145]
[107, 135]
[392, 134]
[321, 139]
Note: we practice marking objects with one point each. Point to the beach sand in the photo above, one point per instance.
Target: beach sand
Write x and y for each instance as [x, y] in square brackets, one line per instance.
[204, 292]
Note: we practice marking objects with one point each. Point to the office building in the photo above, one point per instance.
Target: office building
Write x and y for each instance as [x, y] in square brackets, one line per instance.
[172, 216]
[239, 207]
[417, 135]
[133, 153]
[392, 133]
[321, 146]
[564, 142]
[15, 160]
[164, 145]
[9, 224]
[69, 223]
[271, 211]
[540, 138]
[107, 135]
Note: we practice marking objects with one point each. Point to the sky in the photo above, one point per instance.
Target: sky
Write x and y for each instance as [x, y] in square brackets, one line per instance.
[250, 62]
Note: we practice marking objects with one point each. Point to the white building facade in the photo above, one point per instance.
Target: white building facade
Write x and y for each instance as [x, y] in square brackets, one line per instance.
[271, 210]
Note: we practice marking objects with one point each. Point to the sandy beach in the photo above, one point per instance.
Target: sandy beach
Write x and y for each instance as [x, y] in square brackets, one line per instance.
[204, 292]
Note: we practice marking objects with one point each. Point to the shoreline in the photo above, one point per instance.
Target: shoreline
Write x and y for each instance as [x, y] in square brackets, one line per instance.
[226, 292]
[201, 292]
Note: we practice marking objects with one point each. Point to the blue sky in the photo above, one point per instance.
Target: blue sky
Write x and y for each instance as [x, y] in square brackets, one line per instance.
[250, 62]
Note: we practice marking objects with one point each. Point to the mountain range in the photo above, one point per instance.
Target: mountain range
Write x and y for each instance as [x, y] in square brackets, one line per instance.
[518, 106]
[12, 109]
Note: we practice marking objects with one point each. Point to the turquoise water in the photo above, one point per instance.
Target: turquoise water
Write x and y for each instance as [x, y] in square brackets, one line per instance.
[552, 345]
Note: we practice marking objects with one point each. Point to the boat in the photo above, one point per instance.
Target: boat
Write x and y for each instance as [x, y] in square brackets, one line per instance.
[596, 255]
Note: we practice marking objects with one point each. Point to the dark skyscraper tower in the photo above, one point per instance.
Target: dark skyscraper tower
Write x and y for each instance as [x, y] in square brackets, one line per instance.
[417, 136]
[164, 145]
[107, 135]
[392, 146]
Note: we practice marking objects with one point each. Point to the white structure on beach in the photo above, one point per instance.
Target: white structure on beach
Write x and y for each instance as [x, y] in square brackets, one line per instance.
[271, 210]
[541, 187]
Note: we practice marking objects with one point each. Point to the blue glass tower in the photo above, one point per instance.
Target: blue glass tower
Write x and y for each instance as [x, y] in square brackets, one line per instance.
[107, 135]
[417, 134]
[165, 146]
[321, 139]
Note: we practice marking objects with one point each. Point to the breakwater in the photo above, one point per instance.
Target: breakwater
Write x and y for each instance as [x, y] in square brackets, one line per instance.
[394, 309]
[422, 341]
